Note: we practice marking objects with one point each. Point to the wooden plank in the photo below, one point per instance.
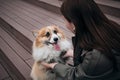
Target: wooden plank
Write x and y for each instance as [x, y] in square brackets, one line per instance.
[3, 61]
[19, 37]
[38, 22]
[18, 20]
[8, 78]
[15, 62]
[17, 26]
[113, 18]
[20, 51]
[3, 73]
[49, 19]
[38, 18]
[43, 11]
[40, 13]
[19, 17]
[18, 34]
[56, 3]
[30, 62]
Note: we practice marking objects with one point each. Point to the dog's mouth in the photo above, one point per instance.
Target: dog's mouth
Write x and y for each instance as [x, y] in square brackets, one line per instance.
[55, 45]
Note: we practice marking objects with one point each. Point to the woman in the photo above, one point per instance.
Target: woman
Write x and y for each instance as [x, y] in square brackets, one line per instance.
[96, 43]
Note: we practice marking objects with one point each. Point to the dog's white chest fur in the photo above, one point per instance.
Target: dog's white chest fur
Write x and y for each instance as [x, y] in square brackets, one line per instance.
[44, 53]
[47, 53]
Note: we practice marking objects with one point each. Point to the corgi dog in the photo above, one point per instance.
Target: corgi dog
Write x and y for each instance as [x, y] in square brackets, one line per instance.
[48, 45]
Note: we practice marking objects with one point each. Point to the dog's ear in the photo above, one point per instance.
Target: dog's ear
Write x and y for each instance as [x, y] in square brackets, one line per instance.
[35, 33]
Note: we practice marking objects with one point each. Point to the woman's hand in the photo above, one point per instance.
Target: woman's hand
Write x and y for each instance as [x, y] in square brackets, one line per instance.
[48, 65]
[69, 53]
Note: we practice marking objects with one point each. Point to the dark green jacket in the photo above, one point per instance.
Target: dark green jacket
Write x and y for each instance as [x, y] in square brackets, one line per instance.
[94, 66]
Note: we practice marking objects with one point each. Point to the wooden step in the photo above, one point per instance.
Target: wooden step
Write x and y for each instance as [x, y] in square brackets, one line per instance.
[15, 56]
[115, 19]
[34, 17]
[109, 7]
[50, 5]
[5, 71]
[21, 36]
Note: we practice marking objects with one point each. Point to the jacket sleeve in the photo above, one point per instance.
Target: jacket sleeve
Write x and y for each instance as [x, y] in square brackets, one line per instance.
[89, 65]
[73, 73]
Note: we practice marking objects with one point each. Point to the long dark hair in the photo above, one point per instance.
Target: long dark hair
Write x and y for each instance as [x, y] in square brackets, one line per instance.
[93, 29]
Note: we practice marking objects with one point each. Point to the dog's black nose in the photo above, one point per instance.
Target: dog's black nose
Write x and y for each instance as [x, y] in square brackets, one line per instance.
[56, 39]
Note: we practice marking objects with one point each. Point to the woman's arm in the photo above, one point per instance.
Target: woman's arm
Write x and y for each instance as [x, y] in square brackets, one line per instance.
[69, 72]
[94, 64]
[73, 73]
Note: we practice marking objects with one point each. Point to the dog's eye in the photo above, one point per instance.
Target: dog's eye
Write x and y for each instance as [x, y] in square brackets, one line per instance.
[47, 34]
[55, 31]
